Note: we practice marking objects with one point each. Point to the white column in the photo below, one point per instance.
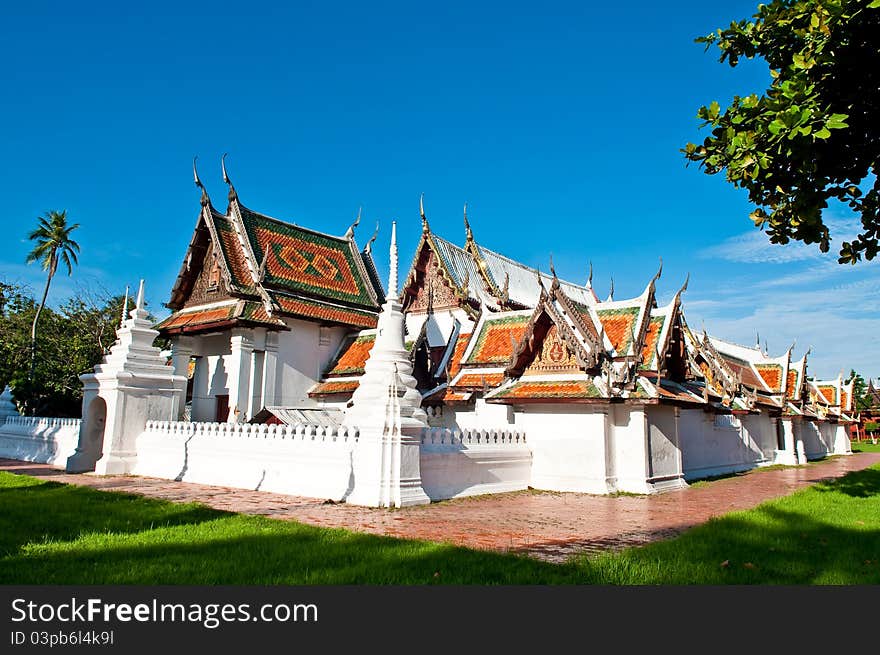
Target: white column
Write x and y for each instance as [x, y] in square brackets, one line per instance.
[787, 455]
[181, 351]
[270, 363]
[203, 405]
[241, 344]
[608, 415]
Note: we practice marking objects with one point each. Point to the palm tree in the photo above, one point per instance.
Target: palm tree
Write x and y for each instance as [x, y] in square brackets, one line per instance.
[53, 244]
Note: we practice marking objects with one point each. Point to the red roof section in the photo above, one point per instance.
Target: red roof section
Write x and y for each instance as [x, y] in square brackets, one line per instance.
[791, 384]
[455, 361]
[771, 374]
[477, 380]
[619, 325]
[309, 309]
[651, 337]
[334, 386]
[493, 342]
[550, 390]
[354, 357]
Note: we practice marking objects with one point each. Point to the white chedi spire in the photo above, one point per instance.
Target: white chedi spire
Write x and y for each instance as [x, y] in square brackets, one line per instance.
[7, 405]
[388, 359]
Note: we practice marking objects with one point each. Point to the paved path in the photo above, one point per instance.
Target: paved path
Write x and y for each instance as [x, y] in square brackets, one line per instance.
[547, 525]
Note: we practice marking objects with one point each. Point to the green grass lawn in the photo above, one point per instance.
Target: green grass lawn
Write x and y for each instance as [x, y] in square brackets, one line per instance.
[60, 534]
[865, 447]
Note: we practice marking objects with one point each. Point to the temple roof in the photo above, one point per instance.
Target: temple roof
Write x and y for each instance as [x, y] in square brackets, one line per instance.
[288, 269]
[233, 312]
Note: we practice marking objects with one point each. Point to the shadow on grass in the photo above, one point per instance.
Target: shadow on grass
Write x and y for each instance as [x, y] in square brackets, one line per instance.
[35, 511]
[861, 485]
[812, 537]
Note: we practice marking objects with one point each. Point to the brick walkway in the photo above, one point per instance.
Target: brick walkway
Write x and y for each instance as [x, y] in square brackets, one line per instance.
[547, 525]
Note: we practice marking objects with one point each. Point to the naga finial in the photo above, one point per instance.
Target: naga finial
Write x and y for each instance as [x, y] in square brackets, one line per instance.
[469, 235]
[425, 227]
[369, 247]
[199, 184]
[232, 194]
[349, 233]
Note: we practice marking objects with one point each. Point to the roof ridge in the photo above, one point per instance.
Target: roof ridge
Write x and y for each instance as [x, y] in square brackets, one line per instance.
[290, 224]
[529, 268]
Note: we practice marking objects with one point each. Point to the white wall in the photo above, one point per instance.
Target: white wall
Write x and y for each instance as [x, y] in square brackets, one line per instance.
[568, 446]
[664, 455]
[815, 439]
[456, 463]
[39, 439]
[302, 460]
[711, 446]
[302, 360]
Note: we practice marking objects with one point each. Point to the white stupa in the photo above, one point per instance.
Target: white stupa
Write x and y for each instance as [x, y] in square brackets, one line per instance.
[7, 404]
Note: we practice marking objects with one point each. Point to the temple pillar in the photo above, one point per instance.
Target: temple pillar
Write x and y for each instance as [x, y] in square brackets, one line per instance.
[181, 352]
[842, 445]
[787, 454]
[238, 380]
[607, 412]
[270, 364]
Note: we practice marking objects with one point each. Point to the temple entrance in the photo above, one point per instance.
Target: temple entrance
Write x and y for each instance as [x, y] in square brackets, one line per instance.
[222, 409]
[91, 438]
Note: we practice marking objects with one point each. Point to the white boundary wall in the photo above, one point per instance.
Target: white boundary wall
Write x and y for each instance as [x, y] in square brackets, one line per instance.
[303, 460]
[456, 463]
[717, 444]
[39, 439]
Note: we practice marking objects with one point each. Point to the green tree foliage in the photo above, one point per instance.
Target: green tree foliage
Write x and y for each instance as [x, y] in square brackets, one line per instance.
[859, 389]
[53, 245]
[814, 134]
[73, 339]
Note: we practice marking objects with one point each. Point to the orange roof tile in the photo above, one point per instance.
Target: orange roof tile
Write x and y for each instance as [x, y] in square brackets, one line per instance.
[455, 361]
[334, 386]
[791, 384]
[654, 328]
[619, 325]
[493, 342]
[311, 309]
[234, 254]
[771, 374]
[828, 392]
[476, 380]
[550, 390]
[354, 357]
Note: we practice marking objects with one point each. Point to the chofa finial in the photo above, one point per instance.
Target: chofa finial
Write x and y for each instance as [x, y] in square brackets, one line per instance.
[425, 227]
[232, 194]
[199, 184]
[369, 247]
[659, 271]
[469, 235]
[611, 290]
[590, 277]
[349, 233]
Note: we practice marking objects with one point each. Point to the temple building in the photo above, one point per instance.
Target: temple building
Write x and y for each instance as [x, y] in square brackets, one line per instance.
[261, 306]
[512, 376]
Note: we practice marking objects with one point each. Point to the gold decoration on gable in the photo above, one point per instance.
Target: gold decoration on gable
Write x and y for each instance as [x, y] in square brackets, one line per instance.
[554, 357]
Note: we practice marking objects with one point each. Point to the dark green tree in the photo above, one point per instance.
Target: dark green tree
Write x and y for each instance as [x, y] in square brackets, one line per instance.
[814, 134]
[53, 244]
[73, 338]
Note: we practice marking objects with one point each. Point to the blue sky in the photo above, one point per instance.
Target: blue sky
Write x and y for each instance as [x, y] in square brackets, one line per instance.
[559, 123]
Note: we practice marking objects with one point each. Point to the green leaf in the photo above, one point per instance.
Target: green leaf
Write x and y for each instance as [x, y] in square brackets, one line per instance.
[874, 5]
[824, 133]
